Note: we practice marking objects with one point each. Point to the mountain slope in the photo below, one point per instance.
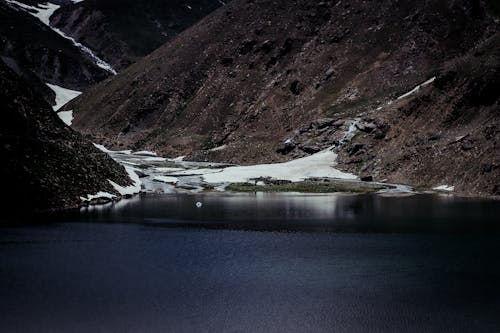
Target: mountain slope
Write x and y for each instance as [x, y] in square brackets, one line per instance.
[122, 31]
[41, 55]
[45, 164]
[447, 134]
[246, 80]
[259, 69]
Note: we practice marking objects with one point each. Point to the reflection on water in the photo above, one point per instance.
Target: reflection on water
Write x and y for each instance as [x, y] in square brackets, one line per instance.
[320, 212]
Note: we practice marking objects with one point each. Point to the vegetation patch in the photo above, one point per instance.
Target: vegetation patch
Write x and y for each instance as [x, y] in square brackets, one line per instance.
[208, 187]
[307, 187]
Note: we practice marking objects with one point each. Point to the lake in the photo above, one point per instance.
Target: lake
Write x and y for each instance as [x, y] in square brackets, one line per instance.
[256, 263]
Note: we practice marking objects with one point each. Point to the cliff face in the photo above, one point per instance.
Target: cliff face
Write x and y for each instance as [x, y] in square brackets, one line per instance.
[45, 164]
[122, 31]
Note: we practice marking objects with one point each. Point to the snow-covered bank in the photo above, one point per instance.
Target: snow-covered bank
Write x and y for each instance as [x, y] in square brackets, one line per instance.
[43, 12]
[131, 189]
[98, 195]
[317, 165]
[165, 175]
[124, 191]
[445, 188]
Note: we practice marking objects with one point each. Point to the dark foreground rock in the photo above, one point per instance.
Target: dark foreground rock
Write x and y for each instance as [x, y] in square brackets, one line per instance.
[45, 164]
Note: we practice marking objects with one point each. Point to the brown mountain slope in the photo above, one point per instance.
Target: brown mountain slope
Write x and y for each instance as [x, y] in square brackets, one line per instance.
[449, 133]
[45, 164]
[253, 71]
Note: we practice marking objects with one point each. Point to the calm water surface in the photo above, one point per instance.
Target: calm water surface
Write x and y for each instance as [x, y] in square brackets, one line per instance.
[256, 263]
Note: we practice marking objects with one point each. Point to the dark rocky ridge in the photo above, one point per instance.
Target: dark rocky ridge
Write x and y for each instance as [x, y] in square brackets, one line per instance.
[118, 31]
[40, 55]
[253, 73]
[45, 164]
[123, 31]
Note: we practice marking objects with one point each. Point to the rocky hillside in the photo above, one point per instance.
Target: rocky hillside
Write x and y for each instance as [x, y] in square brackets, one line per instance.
[261, 81]
[122, 31]
[45, 164]
[448, 133]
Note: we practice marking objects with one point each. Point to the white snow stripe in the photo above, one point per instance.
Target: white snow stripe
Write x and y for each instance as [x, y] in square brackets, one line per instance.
[417, 88]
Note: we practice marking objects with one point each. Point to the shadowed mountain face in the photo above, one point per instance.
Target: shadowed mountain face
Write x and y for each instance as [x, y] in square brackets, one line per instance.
[122, 31]
[45, 164]
[41, 55]
[119, 32]
[256, 73]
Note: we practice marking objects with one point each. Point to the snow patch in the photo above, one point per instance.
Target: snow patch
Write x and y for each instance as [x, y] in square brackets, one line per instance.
[63, 95]
[98, 195]
[166, 179]
[417, 88]
[43, 11]
[196, 172]
[219, 148]
[317, 165]
[66, 117]
[179, 159]
[167, 170]
[154, 159]
[144, 153]
[98, 61]
[351, 132]
[101, 148]
[131, 189]
[446, 188]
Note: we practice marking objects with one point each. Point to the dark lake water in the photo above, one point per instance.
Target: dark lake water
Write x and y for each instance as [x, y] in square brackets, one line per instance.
[256, 263]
